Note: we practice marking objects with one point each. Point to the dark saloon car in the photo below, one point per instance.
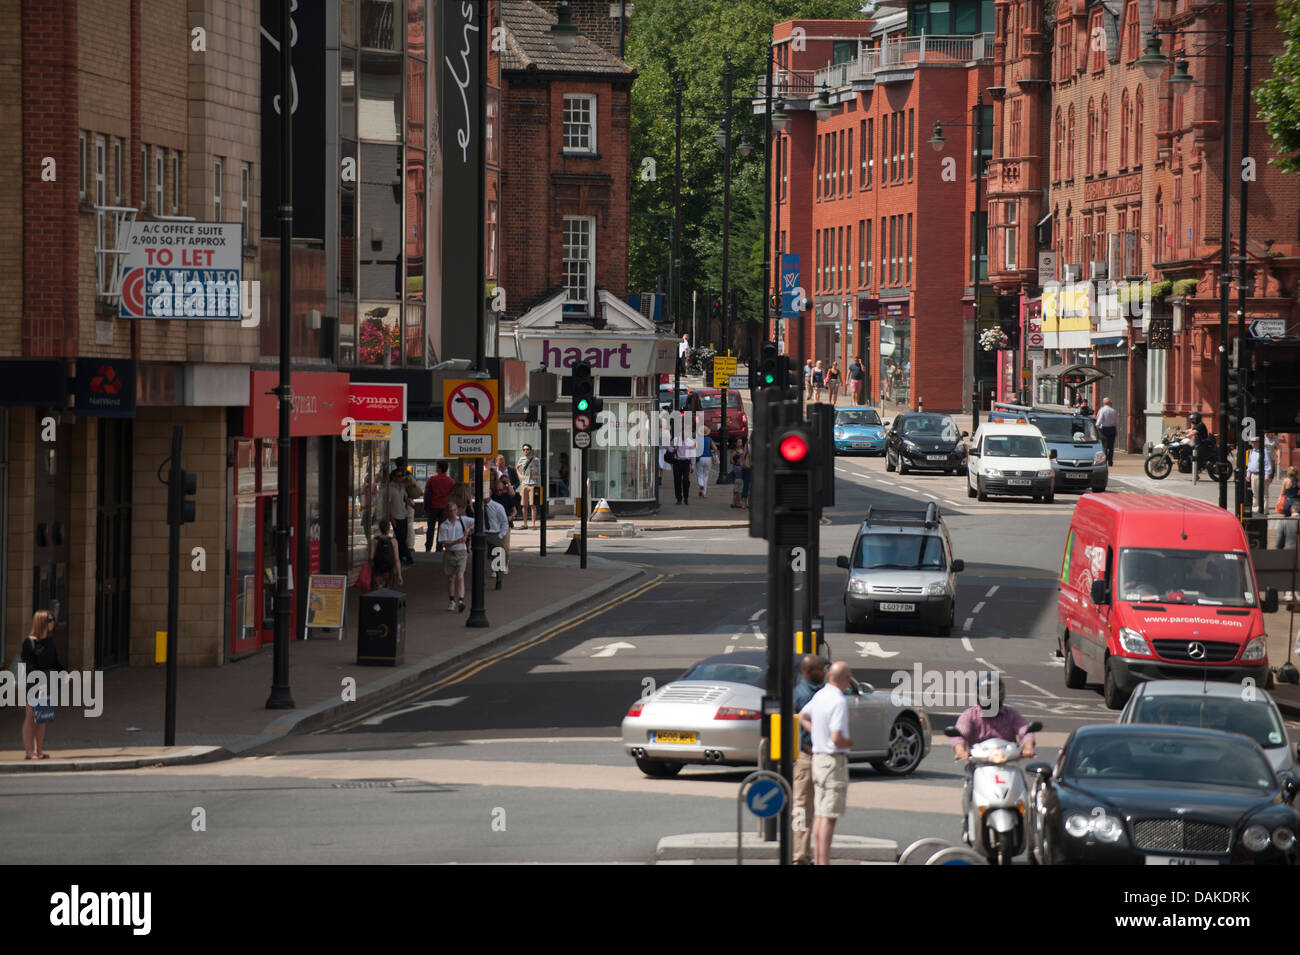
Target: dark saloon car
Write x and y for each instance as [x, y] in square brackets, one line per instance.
[1161, 795]
[923, 441]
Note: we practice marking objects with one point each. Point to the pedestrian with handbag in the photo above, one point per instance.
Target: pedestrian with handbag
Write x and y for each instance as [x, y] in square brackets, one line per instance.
[38, 655]
[385, 557]
[833, 382]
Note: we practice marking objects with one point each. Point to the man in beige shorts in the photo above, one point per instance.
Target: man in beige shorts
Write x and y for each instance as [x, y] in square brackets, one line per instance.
[529, 470]
[826, 718]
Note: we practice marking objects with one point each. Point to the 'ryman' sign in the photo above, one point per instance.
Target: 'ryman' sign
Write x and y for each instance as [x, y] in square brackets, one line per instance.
[609, 356]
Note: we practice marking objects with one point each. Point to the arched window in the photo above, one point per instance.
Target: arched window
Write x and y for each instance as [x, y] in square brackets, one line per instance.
[1137, 129]
[1069, 147]
[1126, 119]
[1091, 154]
[1060, 145]
[1103, 149]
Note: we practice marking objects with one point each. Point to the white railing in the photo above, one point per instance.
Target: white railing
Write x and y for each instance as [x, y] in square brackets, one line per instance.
[112, 230]
[904, 51]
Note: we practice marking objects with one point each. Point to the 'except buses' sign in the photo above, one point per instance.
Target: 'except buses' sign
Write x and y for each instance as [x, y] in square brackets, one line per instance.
[183, 270]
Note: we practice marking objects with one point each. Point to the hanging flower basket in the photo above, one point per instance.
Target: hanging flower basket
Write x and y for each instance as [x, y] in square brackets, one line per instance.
[994, 339]
[697, 360]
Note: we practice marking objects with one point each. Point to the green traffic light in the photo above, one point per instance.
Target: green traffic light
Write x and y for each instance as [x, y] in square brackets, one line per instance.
[582, 404]
[769, 379]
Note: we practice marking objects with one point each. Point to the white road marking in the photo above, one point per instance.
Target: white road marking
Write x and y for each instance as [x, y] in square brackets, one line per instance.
[987, 664]
[758, 613]
[1040, 690]
[992, 590]
[967, 624]
[965, 642]
[736, 637]
[870, 648]
[978, 607]
[609, 649]
[932, 497]
[844, 470]
[415, 708]
[729, 648]
[951, 503]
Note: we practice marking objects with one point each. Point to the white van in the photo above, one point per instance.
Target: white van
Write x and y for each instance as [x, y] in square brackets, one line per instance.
[1010, 459]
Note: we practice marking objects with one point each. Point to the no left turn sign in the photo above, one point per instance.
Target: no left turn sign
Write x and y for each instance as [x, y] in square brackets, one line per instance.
[469, 408]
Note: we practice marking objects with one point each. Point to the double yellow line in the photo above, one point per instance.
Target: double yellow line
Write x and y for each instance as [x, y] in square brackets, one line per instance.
[469, 669]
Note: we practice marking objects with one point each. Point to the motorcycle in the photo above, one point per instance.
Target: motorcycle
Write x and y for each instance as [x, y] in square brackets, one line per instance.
[1175, 448]
[995, 819]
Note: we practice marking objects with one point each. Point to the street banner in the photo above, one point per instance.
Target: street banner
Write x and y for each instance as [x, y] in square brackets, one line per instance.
[791, 286]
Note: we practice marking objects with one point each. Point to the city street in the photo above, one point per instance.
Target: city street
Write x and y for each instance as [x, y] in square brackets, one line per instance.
[516, 757]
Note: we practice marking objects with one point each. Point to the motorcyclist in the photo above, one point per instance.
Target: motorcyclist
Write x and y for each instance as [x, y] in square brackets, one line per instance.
[1202, 445]
[991, 721]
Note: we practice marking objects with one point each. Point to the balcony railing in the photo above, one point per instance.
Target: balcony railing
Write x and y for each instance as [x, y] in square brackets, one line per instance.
[903, 52]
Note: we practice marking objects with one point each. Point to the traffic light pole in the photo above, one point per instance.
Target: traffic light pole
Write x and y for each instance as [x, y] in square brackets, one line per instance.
[1245, 353]
[545, 488]
[723, 470]
[1225, 241]
[585, 506]
[478, 558]
[174, 495]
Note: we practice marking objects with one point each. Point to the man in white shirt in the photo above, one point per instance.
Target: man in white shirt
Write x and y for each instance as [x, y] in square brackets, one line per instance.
[496, 528]
[826, 718]
[1108, 424]
[683, 349]
[453, 540]
[684, 452]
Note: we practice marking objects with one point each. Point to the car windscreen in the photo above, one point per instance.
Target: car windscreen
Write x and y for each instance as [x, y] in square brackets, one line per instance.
[1170, 759]
[726, 673]
[866, 416]
[1077, 429]
[1014, 446]
[1169, 575]
[904, 551]
[1255, 718]
[930, 426]
[714, 402]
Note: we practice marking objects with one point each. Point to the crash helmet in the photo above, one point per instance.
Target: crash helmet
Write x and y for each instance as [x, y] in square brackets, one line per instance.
[990, 691]
[1194, 418]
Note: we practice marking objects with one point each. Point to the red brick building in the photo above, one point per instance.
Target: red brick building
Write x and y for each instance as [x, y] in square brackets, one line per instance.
[870, 207]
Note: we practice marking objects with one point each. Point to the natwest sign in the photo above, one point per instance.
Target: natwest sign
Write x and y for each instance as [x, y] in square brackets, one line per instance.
[318, 404]
[377, 403]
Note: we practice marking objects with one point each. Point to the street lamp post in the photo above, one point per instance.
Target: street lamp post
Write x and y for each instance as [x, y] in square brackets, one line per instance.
[937, 141]
[677, 240]
[724, 473]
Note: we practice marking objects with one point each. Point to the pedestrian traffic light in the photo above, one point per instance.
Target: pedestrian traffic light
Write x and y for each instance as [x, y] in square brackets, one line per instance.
[586, 406]
[1277, 385]
[822, 419]
[180, 509]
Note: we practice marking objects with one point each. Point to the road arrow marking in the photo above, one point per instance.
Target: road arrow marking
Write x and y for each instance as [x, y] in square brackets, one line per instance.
[609, 649]
[377, 720]
[869, 648]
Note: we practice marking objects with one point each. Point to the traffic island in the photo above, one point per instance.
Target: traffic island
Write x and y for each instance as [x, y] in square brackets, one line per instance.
[711, 847]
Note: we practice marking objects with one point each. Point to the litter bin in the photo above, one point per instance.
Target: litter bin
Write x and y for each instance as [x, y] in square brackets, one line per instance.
[381, 628]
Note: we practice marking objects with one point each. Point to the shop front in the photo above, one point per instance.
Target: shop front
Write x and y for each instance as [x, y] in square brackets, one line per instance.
[894, 350]
[626, 354]
[320, 403]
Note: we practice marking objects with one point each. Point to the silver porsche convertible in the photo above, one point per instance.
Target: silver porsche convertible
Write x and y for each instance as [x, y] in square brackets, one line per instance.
[712, 715]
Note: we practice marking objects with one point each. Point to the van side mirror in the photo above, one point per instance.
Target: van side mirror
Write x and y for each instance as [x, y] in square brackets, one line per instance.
[1100, 593]
[842, 563]
[1268, 603]
[958, 565]
[965, 434]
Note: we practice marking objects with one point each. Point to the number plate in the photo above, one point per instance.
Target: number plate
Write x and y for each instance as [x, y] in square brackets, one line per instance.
[1076, 475]
[670, 736]
[936, 457]
[861, 444]
[898, 608]
[1180, 860]
[1019, 482]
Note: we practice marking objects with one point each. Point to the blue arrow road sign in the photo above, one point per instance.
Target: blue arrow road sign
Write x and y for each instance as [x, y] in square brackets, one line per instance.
[765, 798]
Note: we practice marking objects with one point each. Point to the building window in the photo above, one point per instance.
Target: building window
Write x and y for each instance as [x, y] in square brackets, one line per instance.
[117, 171]
[159, 167]
[1085, 240]
[81, 152]
[144, 178]
[909, 247]
[1178, 212]
[101, 173]
[579, 124]
[979, 264]
[176, 183]
[1069, 145]
[1097, 42]
[1009, 246]
[1126, 118]
[1161, 238]
[216, 190]
[1137, 128]
[1069, 236]
[1015, 126]
[870, 150]
[492, 239]
[245, 189]
[1194, 231]
[862, 155]
[862, 253]
[579, 263]
[490, 134]
[848, 164]
[785, 165]
[817, 166]
[1132, 36]
[911, 142]
[1060, 146]
[984, 116]
[866, 255]
[1090, 150]
[1103, 146]
[846, 156]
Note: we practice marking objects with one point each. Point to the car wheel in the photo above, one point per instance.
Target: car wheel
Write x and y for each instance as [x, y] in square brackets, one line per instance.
[945, 630]
[889, 462]
[1110, 691]
[1076, 678]
[979, 490]
[851, 625]
[659, 768]
[1037, 498]
[905, 748]
[970, 491]
[1049, 497]
[902, 466]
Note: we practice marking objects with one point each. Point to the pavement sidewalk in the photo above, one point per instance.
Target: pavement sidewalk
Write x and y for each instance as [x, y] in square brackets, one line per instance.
[221, 710]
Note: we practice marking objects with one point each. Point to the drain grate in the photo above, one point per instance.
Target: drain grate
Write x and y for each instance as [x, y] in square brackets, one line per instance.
[367, 784]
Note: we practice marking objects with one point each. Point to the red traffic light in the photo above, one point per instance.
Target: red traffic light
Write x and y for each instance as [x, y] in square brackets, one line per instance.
[793, 448]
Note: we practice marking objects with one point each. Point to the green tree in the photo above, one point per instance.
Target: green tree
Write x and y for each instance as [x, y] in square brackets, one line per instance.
[1278, 97]
[691, 39]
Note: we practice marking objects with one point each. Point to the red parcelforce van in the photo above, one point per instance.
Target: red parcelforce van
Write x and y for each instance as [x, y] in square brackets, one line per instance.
[1158, 588]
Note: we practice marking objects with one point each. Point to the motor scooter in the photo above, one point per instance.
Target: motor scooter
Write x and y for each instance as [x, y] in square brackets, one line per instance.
[995, 816]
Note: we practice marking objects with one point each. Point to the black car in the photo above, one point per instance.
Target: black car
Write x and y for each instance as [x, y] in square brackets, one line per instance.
[924, 441]
[1161, 795]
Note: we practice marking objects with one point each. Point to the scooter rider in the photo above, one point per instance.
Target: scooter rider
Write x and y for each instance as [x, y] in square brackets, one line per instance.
[990, 721]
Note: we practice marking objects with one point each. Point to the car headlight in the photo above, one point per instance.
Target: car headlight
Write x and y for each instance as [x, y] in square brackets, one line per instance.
[1077, 824]
[1283, 838]
[1099, 457]
[857, 586]
[937, 590]
[1131, 641]
[1256, 649]
[1046, 473]
[910, 446]
[1255, 838]
[1107, 828]
[992, 472]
